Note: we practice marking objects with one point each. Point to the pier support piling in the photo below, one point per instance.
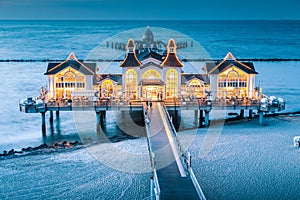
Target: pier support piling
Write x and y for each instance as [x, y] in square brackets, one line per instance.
[201, 119]
[43, 123]
[57, 114]
[206, 118]
[51, 116]
[261, 118]
[98, 117]
[250, 113]
[242, 113]
[196, 118]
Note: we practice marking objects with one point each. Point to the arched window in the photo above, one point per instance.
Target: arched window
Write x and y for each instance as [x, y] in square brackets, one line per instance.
[195, 83]
[222, 80]
[171, 83]
[131, 83]
[243, 80]
[151, 74]
[67, 81]
[195, 88]
[233, 79]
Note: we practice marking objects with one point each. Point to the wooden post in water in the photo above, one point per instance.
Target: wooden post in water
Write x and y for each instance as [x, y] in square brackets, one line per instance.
[51, 116]
[201, 119]
[250, 113]
[43, 123]
[98, 117]
[57, 114]
[196, 118]
[242, 113]
[261, 118]
[206, 118]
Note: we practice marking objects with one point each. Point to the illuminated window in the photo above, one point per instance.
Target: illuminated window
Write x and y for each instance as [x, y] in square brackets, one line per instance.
[195, 88]
[151, 74]
[131, 83]
[195, 83]
[107, 87]
[233, 79]
[171, 83]
[68, 80]
[222, 80]
[243, 81]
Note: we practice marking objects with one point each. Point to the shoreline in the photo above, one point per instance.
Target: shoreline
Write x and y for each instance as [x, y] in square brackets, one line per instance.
[65, 146]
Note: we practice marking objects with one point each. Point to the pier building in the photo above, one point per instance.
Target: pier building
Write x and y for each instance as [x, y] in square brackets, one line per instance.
[150, 73]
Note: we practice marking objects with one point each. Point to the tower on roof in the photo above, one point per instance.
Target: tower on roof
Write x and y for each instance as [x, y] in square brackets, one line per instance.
[171, 59]
[130, 46]
[172, 46]
[130, 60]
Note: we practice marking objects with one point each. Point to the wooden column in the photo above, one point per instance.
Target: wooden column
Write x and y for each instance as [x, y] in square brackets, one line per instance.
[51, 116]
[250, 113]
[43, 123]
[242, 113]
[206, 118]
[201, 119]
[98, 117]
[261, 117]
[57, 114]
[196, 118]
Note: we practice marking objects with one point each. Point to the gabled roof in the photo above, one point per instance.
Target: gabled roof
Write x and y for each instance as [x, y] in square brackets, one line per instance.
[229, 61]
[73, 62]
[151, 64]
[187, 77]
[114, 77]
[148, 53]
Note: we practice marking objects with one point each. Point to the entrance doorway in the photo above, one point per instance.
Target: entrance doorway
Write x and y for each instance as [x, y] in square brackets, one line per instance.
[153, 92]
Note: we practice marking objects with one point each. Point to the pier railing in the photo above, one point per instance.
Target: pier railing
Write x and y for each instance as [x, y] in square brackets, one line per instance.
[189, 104]
[185, 156]
[155, 188]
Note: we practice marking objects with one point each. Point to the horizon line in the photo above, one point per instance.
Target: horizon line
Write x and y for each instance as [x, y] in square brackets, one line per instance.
[94, 19]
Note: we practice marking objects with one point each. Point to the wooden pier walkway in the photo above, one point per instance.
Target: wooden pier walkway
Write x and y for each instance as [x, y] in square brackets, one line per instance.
[173, 178]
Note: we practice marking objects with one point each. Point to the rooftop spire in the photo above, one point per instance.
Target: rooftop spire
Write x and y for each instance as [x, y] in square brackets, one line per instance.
[72, 56]
[229, 56]
[130, 46]
[130, 60]
[172, 46]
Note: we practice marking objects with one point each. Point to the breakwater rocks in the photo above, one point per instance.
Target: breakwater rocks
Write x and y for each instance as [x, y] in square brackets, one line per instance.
[40, 149]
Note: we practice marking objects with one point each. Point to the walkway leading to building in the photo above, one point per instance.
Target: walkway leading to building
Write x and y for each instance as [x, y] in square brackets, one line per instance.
[173, 177]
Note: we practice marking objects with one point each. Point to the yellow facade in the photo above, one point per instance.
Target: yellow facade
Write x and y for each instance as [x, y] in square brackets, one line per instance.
[233, 83]
[67, 81]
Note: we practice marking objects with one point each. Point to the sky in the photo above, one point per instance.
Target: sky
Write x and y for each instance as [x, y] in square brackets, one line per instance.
[151, 9]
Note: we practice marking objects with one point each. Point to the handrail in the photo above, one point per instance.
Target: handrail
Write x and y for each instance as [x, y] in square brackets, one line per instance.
[156, 188]
[186, 157]
[174, 132]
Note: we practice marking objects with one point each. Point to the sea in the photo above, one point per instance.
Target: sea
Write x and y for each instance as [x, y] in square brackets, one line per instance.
[26, 46]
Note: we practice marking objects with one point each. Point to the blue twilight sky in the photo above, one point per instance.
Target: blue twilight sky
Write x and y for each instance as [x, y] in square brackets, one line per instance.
[150, 9]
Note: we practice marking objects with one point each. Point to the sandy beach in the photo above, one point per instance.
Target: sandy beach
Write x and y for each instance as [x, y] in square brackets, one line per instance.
[249, 161]
[70, 174]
